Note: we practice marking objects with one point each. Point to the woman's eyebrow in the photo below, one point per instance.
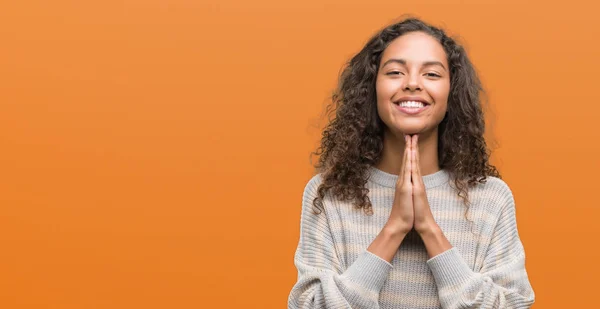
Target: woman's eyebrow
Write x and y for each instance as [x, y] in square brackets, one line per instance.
[403, 62]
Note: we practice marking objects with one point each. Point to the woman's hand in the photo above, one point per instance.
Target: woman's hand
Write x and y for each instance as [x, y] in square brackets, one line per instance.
[423, 217]
[409, 209]
[402, 216]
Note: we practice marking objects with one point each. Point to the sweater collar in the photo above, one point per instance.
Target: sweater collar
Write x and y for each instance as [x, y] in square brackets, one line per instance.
[389, 180]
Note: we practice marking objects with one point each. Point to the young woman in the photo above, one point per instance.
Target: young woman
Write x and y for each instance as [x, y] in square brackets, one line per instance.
[406, 211]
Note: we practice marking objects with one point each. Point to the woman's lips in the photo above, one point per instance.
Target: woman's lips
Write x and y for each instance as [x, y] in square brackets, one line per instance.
[411, 110]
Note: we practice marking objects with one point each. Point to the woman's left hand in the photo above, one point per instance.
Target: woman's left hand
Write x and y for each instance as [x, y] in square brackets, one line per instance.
[423, 217]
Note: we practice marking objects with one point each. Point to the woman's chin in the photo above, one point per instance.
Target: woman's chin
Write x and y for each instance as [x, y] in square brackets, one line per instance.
[411, 130]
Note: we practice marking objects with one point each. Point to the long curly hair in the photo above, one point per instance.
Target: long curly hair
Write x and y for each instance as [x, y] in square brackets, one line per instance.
[353, 140]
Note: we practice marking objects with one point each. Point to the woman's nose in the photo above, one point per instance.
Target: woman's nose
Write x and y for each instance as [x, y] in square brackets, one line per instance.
[412, 84]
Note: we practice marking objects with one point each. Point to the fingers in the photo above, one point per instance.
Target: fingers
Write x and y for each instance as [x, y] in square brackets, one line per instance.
[407, 163]
[416, 174]
[404, 159]
[417, 157]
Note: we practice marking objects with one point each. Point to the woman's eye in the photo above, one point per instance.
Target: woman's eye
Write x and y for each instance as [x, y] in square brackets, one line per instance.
[432, 75]
[394, 73]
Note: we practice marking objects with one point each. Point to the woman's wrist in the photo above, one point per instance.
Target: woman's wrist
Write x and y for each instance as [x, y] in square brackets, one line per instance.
[395, 231]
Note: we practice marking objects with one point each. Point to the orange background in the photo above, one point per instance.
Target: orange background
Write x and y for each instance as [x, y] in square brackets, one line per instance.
[154, 153]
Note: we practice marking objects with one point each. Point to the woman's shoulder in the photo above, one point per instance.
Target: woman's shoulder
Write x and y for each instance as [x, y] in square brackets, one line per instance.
[492, 183]
[494, 190]
[313, 184]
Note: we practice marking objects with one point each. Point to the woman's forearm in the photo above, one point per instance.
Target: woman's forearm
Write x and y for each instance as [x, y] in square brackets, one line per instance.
[435, 241]
[386, 244]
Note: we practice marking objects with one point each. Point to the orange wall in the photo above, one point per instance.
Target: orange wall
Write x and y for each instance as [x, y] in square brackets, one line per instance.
[153, 153]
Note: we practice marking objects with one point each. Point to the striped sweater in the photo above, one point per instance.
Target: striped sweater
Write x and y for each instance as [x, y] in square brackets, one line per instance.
[485, 268]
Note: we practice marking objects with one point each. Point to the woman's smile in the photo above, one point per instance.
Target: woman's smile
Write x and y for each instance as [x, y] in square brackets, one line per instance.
[409, 110]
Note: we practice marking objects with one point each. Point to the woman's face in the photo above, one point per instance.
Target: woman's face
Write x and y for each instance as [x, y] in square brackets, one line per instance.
[413, 68]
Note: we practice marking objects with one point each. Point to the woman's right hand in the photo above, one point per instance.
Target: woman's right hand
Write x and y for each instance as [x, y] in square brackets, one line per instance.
[402, 216]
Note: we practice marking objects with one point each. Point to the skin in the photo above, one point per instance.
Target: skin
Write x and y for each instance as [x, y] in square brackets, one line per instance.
[423, 72]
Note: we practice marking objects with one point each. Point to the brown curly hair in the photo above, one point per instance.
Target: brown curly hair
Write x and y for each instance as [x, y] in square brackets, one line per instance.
[353, 140]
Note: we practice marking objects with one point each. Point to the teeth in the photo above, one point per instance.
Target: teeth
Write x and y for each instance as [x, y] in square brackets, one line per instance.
[411, 104]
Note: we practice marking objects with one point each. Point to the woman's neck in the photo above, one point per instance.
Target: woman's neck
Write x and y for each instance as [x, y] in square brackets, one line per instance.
[393, 150]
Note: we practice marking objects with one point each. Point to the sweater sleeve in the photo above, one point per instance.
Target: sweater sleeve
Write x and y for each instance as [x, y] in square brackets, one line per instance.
[322, 283]
[502, 281]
